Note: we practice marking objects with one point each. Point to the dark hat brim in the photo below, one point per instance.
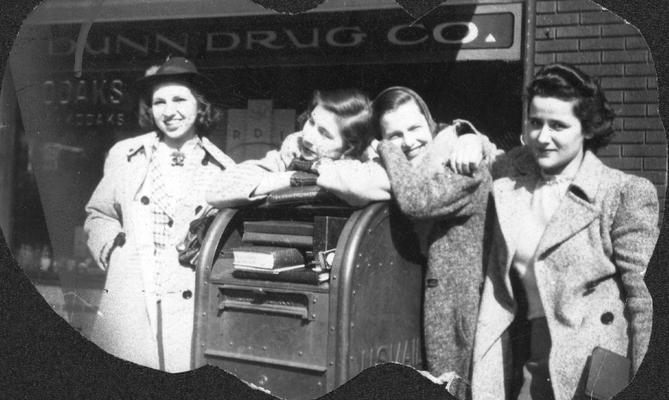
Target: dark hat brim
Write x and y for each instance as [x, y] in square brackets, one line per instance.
[201, 83]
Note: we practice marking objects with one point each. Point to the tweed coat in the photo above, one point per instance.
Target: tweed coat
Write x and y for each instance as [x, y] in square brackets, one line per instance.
[590, 266]
[455, 205]
[126, 325]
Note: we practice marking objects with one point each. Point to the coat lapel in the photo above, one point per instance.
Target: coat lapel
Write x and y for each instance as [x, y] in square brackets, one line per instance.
[213, 151]
[577, 209]
[572, 216]
[138, 159]
[513, 196]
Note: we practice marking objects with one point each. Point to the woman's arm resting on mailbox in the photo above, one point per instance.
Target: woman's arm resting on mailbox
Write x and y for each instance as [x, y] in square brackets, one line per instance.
[356, 182]
[103, 213]
[249, 181]
[431, 189]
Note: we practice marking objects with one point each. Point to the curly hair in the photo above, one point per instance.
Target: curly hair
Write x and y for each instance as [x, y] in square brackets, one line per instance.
[208, 115]
[353, 110]
[568, 83]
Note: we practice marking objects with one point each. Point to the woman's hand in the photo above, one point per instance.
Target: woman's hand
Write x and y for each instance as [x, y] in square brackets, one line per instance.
[449, 378]
[467, 153]
[108, 249]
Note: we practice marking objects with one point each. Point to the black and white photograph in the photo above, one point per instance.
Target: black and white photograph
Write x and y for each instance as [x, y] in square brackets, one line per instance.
[333, 199]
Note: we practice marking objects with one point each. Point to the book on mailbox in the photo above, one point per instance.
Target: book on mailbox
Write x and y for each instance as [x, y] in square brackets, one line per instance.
[298, 275]
[281, 227]
[268, 271]
[278, 239]
[267, 257]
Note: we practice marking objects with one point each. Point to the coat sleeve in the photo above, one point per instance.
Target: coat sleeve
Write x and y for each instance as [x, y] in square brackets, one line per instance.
[634, 232]
[356, 182]
[104, 217]
[236, 185]
[423, 192]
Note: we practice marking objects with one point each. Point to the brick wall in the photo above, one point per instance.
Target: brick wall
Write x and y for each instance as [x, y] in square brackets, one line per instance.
[603, 45]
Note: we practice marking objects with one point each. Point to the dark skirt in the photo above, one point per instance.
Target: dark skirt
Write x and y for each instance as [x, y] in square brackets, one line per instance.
[531, 350]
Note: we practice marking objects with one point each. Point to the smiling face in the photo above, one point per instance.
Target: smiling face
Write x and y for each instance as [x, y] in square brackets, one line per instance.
[174, 109]
[406, 127]
[321, 136]
[555, 135]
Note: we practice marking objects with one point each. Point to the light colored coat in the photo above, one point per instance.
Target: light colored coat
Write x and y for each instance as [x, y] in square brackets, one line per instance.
[590, 266]
[127, 320]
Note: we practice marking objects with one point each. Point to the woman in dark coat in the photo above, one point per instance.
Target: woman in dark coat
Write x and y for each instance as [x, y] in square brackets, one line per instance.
[415, 150]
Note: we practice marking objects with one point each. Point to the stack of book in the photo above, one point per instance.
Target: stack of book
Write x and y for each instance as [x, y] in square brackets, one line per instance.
[292, 251]
[279, 233]
[267, 259]
[275, 263]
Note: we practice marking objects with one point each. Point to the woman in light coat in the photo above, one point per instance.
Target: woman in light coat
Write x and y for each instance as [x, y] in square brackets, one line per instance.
[332, 148]
[153, 186]
[570, 248]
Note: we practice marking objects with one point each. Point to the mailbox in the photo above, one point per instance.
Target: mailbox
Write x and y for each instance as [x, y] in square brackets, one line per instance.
[302, 340]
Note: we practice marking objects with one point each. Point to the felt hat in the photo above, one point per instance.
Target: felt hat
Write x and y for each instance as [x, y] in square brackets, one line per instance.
[177, 69]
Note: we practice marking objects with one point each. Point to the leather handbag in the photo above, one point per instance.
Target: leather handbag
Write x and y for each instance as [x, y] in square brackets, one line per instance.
[189, 249]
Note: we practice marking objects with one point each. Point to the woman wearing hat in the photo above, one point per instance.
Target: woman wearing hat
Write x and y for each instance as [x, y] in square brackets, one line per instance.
[153, 186]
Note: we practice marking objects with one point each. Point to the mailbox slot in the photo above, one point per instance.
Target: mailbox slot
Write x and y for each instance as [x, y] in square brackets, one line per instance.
[275, 324]
[264, 300]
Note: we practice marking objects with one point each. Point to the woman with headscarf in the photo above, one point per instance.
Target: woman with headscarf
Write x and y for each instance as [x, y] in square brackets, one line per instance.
[415, 151]
[152, 188]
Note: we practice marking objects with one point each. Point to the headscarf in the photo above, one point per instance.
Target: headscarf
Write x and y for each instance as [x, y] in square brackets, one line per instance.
[419, 101]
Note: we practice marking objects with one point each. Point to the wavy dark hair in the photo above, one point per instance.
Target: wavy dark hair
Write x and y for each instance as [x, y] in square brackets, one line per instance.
[208, 114]
[568, 83]
[354, 111]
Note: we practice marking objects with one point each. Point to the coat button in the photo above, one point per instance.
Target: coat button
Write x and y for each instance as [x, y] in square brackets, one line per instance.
[187, 294]
[170, 222]
[144, 200]
[607, 318]
[198, 209]
[431, 283]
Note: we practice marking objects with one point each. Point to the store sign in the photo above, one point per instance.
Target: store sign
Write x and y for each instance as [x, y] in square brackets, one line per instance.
[85, 102]
[370, 36]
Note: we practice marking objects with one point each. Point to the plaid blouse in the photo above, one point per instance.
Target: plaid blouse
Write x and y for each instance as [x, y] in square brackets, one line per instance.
[174, 191]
